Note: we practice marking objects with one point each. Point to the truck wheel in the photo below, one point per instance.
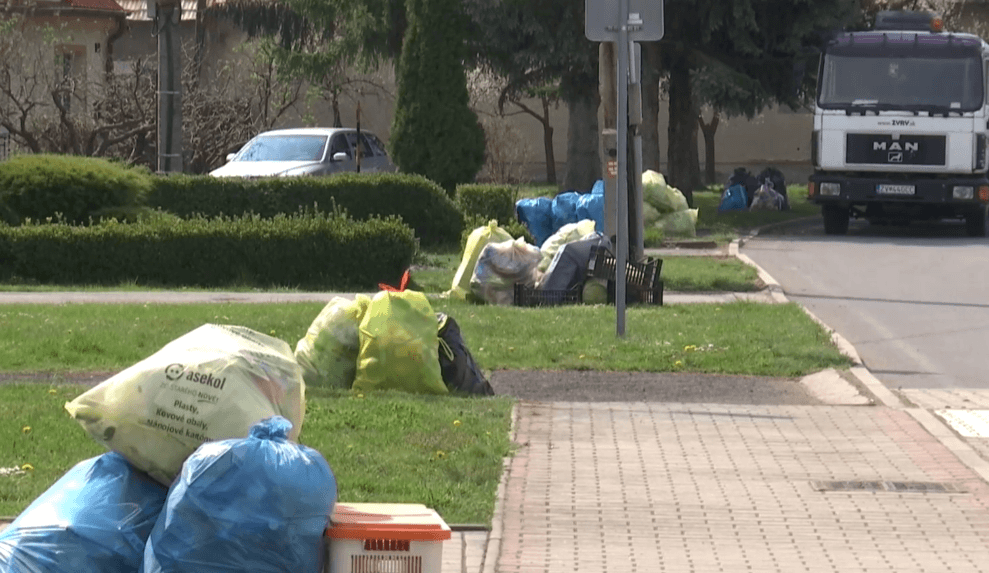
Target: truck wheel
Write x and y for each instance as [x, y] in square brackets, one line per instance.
[975, 223]
[835, 219]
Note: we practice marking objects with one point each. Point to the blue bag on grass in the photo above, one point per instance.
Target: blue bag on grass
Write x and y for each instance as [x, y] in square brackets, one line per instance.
[734, 198]
[537, 216]
[95, 519]
[256, 504]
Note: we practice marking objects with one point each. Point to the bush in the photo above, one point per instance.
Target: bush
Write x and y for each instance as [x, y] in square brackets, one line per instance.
[422, 204]
[488, 201]
[317, 251]
[71, 189]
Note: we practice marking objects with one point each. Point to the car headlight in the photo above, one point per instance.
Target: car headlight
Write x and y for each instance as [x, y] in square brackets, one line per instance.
[831, 189]
[963, 192]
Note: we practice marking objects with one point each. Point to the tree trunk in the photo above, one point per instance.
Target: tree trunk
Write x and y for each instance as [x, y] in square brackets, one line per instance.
[548, 144]
[683, 126]
[650, 106]
[583, 165]
[709, 129]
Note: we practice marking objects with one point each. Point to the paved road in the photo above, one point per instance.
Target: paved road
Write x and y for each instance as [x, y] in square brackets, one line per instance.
[911, 300]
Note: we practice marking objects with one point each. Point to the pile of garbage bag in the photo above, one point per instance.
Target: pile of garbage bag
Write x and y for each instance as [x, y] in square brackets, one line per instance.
[556, 272]
[391, 341]
[255, 503]
[765, 192]
[665, 207]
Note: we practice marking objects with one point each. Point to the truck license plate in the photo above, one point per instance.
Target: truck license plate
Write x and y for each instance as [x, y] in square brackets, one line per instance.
[895, 189]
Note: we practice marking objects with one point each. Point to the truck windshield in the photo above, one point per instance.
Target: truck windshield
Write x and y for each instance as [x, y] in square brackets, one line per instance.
[901, 71]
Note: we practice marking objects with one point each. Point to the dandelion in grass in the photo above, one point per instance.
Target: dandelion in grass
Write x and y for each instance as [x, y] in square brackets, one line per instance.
[27, 468]
[456, 423]
[440, 455]
[26, 430]
[678, 363]
[52, 391]
[689, 348]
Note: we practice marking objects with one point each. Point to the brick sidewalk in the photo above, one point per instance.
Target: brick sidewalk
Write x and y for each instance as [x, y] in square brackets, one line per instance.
[714, 488]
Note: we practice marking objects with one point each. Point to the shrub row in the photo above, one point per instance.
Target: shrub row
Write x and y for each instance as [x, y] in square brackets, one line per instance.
[422, 204]
[313, 251]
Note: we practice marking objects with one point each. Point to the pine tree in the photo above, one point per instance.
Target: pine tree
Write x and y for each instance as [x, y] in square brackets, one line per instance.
[435, 133]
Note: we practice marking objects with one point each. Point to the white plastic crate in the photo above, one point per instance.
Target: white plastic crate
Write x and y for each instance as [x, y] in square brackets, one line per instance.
[385, 538]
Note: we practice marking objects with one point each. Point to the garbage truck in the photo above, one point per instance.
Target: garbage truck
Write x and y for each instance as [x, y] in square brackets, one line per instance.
[900, 125]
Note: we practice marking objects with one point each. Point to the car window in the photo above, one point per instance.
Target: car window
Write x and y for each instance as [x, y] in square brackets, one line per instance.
[340, 144]
[372, 144]
[285, 148]
[352, 144]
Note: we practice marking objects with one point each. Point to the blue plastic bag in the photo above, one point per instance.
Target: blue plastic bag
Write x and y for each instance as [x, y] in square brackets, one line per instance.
[734, 199]
[591, 206]
[537, 216]
[256, 504]
[564, 209]
[95, 519]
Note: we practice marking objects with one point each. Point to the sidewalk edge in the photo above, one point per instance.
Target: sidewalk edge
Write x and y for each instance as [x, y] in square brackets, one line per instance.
[492, 549]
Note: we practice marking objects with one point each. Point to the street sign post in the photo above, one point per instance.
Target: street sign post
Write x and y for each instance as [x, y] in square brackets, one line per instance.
[623, 22]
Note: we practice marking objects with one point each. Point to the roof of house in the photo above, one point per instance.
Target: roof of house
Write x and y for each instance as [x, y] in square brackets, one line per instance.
[109, 5]
[138, 9]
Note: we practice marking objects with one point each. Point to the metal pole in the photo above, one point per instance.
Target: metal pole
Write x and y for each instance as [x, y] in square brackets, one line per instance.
[621, 248]
[167, 16]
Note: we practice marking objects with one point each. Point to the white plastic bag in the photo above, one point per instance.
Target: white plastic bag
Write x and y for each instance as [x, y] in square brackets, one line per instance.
[213, 383]
[500, 266]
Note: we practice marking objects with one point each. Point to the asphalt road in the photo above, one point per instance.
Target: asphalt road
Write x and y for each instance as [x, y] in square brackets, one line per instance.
[912, 300]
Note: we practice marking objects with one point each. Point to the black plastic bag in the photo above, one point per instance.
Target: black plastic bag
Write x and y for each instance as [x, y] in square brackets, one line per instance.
[460, 372]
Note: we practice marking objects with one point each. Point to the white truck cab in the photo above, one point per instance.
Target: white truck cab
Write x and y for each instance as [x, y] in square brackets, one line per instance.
[900, 125]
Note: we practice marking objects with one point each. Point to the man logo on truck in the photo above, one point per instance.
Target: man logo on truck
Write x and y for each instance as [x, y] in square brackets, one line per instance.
[895, 146]
[895, 157]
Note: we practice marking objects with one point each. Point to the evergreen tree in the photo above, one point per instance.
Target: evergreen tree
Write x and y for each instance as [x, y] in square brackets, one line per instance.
[435, 133]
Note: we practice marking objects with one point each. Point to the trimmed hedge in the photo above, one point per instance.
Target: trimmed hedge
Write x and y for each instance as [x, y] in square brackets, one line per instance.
[422, 204]
[314, 251]
[70, 189]
[488, 202]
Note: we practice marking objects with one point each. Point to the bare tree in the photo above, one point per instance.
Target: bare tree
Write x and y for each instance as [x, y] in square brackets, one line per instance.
[45, 109]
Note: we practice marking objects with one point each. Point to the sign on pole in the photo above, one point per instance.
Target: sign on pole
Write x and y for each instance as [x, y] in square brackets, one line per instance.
[603, 20]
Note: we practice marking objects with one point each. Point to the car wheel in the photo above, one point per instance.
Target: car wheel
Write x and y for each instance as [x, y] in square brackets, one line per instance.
[835, 219]
[975, 223]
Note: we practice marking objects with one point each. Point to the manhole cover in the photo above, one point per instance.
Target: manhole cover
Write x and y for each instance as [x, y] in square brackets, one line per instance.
[968, 423]
[891, 486]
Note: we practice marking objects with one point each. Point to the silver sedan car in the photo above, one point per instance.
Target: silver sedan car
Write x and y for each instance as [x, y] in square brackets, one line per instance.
[308, 151]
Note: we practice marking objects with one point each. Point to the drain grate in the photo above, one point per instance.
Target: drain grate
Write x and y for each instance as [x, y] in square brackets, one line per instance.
[891, 486]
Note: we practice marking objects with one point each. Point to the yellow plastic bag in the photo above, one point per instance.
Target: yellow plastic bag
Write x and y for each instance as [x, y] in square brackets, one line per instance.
[399, 345]
[212, 383]
[328, 352]
[661, 196]
[479, 237]
[681, 223]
